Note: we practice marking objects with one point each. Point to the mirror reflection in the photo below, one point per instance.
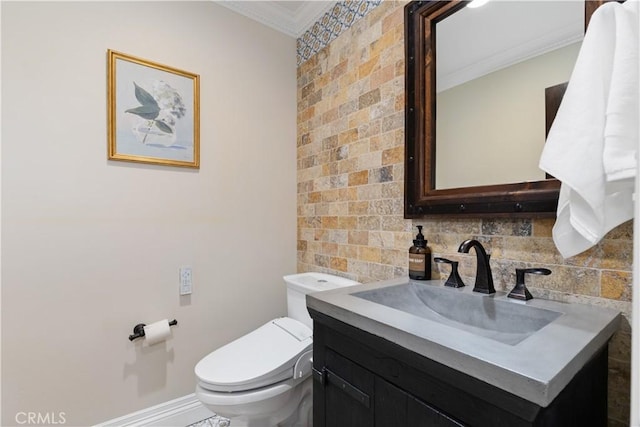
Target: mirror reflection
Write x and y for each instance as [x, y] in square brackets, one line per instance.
[493, 66]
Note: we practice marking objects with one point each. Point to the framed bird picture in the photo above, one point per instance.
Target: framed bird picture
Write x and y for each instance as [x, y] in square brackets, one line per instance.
[153, 112]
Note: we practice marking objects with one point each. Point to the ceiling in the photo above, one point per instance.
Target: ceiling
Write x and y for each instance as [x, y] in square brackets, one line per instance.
[475, 43]
[288, 16]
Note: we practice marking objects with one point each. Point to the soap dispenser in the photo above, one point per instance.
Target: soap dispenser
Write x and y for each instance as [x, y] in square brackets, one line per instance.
[420, 258]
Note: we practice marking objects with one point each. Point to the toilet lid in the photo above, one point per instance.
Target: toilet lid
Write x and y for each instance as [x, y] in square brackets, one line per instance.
[260, 358]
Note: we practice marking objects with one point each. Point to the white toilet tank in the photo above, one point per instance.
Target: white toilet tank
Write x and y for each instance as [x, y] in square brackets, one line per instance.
[299, 285]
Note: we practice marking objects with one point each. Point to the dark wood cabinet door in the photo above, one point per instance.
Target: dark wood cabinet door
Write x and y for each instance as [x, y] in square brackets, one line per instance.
[397, 408]
[419, 414]
[347, 393]
[390, 404]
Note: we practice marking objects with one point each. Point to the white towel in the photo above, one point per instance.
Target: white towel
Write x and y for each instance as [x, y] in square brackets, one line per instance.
[593, 142]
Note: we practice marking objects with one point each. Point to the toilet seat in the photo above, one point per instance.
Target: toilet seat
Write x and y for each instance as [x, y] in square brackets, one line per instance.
[263, 357]
[244, 397]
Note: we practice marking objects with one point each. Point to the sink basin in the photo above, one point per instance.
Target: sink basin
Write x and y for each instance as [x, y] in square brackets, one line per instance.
[531, 349]
[508, 322]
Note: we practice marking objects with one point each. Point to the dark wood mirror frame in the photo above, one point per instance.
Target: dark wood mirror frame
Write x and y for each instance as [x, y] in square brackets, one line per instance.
[528, 199]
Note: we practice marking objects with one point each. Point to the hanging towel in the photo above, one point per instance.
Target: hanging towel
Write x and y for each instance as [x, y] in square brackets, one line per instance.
[593, 143]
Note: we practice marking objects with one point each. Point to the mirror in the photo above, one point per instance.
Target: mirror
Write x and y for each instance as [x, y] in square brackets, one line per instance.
[468, 74]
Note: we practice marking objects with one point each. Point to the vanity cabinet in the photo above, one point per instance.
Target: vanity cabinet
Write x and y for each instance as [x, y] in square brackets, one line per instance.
[362, 380]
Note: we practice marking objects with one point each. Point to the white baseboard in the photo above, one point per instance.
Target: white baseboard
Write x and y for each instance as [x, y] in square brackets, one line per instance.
[179, 412]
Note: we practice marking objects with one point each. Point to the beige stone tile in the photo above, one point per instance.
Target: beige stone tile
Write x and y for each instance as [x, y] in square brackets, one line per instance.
[359, 119]
[369, 160]
[322, 260]
[329, 248]
[348, 165]
[358, 237]
[370, 192]
[382, 109]
[393, 121]
[402, 240]
[394, 18]
[393, 155]
[339, 70]
[339, 125]
[507, 227]
[348, 251]
[338, 263]
[543, 227]
[329, 116]
[348, 136]
[359, 178]
[530, 249]
[370, 222]
[338, 209]
[358, 149]
[394, 257]
[315, 197]
[382, 174]
[348, 194]
[358, 208]
[369, 129]
[359, 268]
[368, 99]
[306, 209]
[382, 239]
[468, 227]
[623, 231]
[369, 253]
[366, 68]
[322, 209]
[616, 285]
[395, 223]
[383, 75]
[347, 222]
[617, 254]
[380, 271]
[329, 222]
[386, 207]
[384, 141]
[329, 195]
[393, 190]
[306, 233]
[318, 236]
[347, 108]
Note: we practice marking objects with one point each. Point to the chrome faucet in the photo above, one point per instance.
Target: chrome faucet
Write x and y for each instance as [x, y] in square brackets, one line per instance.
[484, 278]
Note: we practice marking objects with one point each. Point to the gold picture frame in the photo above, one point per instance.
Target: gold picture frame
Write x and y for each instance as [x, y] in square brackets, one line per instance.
[153, 112]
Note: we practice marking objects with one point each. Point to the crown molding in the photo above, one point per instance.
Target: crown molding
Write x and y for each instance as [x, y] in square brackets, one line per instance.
[278, 17]
[310, 13]
[511, 56]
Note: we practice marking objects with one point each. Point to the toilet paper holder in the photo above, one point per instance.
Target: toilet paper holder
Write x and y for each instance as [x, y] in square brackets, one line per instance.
[138, 330]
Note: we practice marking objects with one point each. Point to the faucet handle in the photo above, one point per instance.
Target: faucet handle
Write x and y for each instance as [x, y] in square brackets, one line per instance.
[454, 280]
[520, 291]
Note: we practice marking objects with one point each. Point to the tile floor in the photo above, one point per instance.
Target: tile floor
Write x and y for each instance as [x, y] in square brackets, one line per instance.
[215, 421]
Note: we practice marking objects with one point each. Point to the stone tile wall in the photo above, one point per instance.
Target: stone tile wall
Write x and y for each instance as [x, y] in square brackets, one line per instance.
[350, 149]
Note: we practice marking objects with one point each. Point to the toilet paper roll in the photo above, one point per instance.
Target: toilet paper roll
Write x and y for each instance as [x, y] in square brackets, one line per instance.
[157, 332]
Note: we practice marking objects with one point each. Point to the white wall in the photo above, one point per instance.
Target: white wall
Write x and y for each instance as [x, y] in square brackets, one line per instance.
[91, 247]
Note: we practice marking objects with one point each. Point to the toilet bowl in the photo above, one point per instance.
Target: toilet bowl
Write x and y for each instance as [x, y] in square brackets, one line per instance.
[263, 379]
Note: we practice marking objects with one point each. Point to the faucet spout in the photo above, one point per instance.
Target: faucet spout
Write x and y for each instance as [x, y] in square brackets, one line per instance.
[484, 278]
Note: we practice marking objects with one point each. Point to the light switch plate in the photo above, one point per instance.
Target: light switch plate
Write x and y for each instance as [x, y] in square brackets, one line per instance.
[186, 280]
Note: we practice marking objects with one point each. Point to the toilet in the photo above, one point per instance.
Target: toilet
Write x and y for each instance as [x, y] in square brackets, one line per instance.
[263, 379]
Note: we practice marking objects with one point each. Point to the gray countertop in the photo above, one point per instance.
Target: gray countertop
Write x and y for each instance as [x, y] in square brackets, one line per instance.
[536, 369]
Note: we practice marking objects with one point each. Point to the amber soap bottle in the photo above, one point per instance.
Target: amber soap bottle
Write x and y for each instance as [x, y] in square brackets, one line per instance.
[420, 258]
